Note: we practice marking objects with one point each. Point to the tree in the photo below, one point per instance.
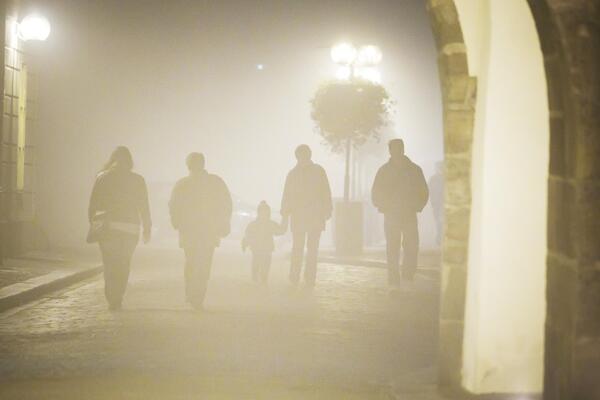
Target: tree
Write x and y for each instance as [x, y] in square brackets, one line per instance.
[347, 114]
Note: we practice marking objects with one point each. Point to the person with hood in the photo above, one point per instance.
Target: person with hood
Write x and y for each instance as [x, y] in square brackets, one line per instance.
[200, 209]
[118, 211]
[400, 192]
[307, 203]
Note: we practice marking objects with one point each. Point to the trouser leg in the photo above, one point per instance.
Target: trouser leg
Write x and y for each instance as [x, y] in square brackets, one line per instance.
[198, 273]
[116, 257]
[392, 240]
[410, 247]
[312, 254]
[191, 265]
[299, 240]
[256, 264]
[264, 267]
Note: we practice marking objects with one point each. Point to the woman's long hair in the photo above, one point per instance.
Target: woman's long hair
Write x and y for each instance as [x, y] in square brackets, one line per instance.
[120, 158]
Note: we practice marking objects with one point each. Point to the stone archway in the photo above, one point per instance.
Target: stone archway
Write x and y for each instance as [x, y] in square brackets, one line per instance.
[569, 33]
[458, 96]
[570, 40]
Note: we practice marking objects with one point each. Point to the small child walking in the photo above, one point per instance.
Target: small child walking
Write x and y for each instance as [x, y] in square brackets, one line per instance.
[259, 237]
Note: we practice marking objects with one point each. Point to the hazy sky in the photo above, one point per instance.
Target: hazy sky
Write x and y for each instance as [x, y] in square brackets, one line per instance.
[169, 77]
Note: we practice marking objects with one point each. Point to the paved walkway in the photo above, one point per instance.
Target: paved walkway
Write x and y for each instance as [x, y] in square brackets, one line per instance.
[348, 339]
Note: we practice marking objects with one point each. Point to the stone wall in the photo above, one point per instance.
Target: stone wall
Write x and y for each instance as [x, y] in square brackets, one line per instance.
[458, 91]
[569, 33]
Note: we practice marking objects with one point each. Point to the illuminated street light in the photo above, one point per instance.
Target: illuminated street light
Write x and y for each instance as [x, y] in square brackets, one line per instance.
[343, 73]
[34, 27]
[369, 74]
[369, 55]
[354, 63]
[344, 54]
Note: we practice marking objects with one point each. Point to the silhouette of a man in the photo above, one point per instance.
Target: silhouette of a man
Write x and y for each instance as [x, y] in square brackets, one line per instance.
[436, 197]
[307, 202]
[200, 210]
[400, 192]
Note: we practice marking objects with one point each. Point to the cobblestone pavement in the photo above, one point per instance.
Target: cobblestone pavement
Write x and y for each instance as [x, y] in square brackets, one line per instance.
[348, 339]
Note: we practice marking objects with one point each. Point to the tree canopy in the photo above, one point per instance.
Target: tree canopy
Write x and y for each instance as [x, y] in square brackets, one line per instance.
[355, 109]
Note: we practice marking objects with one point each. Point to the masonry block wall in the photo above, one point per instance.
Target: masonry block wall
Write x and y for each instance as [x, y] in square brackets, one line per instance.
[569, 32]
[458, 91]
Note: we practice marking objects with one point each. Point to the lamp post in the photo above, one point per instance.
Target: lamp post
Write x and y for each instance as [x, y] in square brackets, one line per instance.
[354, 64]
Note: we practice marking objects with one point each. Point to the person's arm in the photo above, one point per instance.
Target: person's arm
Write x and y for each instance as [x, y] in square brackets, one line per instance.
[286, 201]
[281, 228]
[94, 201]
[145, 211]
[422, 191]
[326, 193]
[226, 207]
[377, 194]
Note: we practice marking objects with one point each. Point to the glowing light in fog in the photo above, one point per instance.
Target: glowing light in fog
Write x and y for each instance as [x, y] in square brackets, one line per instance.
[260, 67]
[34, 27]
[369, 74]
[343, 73]
[369, 55]
[343, 53]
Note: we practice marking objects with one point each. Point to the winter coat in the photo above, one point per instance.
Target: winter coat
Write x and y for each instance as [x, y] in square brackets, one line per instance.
[307, 198]
[400, 188]
[123, 197]
[200, 209]
[259, 235]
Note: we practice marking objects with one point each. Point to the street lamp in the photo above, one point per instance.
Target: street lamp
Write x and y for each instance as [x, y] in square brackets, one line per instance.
[353, 63]
[33, 27]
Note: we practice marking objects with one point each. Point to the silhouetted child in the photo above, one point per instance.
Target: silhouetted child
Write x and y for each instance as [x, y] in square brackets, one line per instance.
[259, 237]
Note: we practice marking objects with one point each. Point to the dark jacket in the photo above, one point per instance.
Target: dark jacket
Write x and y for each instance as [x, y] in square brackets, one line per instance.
[400, 188]
[307, 197]
[200, 208]
[259, 235]
[123, 196]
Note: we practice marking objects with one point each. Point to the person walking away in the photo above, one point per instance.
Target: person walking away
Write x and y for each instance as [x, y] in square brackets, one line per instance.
[118, 208]
[259, 237]
[400, 192]
[436, 197]
[200, 209]
[306, 202]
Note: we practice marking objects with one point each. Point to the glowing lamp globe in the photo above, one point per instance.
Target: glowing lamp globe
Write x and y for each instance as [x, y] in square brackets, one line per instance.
[34, 27]
[369, 55]
[343, 53]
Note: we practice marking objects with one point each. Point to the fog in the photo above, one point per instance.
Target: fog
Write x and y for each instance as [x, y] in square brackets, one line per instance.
[166, 78]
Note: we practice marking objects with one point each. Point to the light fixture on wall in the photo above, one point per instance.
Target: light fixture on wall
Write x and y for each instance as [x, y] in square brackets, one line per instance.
[33, 27]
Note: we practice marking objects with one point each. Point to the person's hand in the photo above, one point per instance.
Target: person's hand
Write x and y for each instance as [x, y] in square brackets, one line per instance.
[146, 235]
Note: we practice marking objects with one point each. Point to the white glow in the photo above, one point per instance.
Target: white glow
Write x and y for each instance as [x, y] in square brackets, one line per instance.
[369, 55]
[34, 27]
[260, 67]
[343, 53]
[369, 74]
[343, 73]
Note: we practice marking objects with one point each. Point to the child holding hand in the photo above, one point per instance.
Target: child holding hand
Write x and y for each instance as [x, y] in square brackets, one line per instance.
[259, 237]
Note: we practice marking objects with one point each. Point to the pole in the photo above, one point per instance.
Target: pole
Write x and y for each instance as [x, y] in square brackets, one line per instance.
[347, 175]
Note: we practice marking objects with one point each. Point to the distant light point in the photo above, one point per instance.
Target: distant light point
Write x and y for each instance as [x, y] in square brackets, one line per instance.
[260, 67]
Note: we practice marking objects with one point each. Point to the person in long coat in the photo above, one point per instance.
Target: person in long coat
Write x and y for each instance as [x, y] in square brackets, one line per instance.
[200, 209]
[307, 203]
[119, 202]
[400, 192]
